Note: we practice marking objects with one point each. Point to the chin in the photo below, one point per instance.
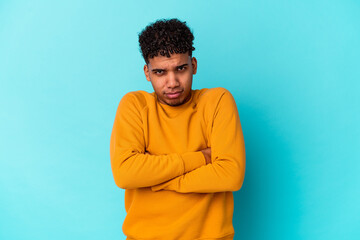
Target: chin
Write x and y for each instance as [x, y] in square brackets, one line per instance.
[175, 102]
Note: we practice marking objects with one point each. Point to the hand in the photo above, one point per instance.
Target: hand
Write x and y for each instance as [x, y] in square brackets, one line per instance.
[207, 154]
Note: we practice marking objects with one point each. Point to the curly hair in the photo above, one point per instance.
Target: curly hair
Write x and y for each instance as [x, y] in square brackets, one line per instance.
[166, 37]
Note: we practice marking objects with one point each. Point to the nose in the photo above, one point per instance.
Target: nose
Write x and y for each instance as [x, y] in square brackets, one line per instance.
[172, 81]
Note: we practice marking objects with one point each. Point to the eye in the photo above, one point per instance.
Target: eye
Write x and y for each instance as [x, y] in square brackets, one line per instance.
[159, 72]
[181, 68]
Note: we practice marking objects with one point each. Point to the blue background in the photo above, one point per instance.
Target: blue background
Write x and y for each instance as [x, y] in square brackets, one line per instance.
[292, 66]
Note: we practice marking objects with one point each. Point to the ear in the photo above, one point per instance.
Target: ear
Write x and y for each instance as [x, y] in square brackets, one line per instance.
[194, 65]
[147, 73]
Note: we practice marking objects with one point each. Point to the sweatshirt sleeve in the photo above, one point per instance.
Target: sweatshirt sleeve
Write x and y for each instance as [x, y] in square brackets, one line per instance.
[227, 170]
[131, 165]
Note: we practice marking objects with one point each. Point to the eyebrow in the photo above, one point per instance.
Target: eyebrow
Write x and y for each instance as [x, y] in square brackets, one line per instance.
[159, 69]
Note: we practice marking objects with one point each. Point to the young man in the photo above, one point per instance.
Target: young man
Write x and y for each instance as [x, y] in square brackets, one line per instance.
[178, 153]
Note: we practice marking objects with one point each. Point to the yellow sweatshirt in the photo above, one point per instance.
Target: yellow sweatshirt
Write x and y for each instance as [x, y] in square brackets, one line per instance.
[155, 155]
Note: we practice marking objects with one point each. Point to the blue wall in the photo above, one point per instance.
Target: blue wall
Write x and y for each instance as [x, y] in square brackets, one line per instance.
[292, 66]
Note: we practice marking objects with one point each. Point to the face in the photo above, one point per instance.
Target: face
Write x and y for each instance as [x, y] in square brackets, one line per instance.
[171, 77]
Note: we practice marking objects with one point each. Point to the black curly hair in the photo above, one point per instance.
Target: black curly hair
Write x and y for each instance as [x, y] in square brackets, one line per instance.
[165, 37]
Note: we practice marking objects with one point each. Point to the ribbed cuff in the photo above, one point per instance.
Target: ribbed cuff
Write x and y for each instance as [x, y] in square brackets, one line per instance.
[193, 160]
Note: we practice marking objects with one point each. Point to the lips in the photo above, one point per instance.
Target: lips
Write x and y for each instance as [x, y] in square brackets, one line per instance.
[173, 95]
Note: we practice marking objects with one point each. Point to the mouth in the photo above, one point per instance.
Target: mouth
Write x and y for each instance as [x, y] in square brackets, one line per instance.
[173, 95]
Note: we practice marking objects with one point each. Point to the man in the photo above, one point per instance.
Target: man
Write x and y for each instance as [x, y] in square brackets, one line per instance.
[178, 152]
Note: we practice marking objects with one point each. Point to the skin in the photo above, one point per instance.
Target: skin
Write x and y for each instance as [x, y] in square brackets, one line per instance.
[207, 154]
[171, 78]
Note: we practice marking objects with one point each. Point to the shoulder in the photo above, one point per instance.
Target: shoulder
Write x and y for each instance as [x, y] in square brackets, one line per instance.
[214, 95]
[138, 99]
[136, 96]
[216, 101]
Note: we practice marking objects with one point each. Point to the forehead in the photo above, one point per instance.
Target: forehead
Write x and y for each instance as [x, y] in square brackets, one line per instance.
[163, 62]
